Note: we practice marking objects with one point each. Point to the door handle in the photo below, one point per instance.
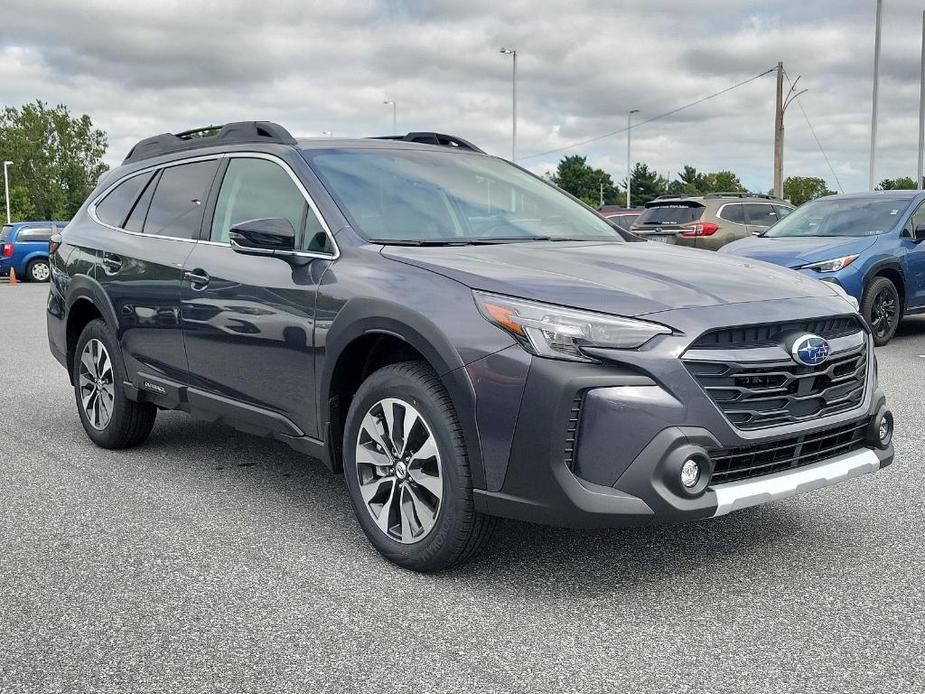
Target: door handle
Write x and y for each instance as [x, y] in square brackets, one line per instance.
[198, 278]
[111, 263]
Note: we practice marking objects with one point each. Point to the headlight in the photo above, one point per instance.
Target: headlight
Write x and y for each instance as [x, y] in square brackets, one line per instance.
[844, 295]
[833, 265]
[558, 332]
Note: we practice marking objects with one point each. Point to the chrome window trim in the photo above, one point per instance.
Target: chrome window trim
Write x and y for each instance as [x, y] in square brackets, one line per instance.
[91, 210]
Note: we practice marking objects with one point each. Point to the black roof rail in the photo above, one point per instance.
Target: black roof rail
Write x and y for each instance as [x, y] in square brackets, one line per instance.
[430, 138]
[738, 194]
[242, 132]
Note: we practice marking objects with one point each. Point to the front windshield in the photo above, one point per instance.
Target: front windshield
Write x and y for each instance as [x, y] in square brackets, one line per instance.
[417, 196]
[845, 217]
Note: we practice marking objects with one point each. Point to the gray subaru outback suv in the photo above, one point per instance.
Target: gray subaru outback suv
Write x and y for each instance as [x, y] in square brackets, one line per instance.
[455, 336]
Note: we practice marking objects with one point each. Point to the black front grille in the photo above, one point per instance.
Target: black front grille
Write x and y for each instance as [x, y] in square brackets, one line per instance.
[754, 395]
[765, 458]
[769, 333]
[571, 433]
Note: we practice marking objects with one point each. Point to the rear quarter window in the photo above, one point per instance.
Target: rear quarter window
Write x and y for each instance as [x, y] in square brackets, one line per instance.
[114, 208]
[34, 234]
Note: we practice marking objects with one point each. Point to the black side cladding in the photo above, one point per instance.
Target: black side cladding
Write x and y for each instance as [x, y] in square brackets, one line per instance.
[242, 132]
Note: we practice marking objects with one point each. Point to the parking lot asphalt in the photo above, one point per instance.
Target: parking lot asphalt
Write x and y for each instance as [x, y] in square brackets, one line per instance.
[208, 560]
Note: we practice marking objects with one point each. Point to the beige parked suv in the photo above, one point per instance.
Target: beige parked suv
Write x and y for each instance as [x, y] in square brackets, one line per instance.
[709, 221]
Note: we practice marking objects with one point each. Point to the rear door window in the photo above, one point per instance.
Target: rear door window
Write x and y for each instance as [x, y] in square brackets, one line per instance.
[181, 192]
[114, 208]
[670, 214]
[760, 215]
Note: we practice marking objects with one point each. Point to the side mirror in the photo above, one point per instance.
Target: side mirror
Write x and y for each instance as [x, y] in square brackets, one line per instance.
[919, 234]
[266, 236]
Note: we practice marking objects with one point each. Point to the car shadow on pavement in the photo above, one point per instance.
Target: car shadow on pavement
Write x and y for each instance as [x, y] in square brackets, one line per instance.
[913, 326]
[268, 473]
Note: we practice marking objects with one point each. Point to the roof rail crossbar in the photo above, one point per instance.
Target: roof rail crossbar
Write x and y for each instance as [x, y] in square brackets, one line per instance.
[242, 132]
[431, 138]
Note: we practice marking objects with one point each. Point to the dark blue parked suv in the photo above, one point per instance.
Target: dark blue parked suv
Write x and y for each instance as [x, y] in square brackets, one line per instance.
[461, 339]
[869, 244]
[24, 248]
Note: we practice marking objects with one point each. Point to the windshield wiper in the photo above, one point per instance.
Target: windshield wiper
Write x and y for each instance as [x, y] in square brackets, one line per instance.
[460, 241]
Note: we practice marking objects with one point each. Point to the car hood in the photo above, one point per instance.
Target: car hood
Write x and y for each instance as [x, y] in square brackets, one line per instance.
[628, 279]
[795, 252]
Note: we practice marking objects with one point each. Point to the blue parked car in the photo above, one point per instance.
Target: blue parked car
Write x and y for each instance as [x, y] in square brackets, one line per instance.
[870, 244]
[24, 247]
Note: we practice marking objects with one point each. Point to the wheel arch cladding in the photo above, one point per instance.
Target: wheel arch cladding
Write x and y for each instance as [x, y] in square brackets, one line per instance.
[891, 270]
[364, 345]
[86, 301]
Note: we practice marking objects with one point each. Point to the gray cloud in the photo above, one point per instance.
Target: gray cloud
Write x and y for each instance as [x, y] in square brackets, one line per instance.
[141, 68]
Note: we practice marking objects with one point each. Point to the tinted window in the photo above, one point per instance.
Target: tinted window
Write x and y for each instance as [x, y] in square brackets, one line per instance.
[734, 213]
[5, 232]
[782, 211]
[176, 208]
[842, 217]
[114, 208]
[760, 215]
[136, 218]
[256, 189]
[34, 234]
[440, 196]
[670, 214]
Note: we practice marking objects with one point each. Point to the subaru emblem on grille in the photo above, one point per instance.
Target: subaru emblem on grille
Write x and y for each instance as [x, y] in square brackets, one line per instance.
[810, 350]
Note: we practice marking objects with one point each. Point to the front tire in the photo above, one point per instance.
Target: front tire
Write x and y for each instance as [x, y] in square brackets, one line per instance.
[882, 309]
[110, 419]
[407, 470]
[38, 270]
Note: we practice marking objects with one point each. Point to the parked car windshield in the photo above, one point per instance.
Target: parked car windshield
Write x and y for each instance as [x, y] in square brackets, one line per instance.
[441, 197]
[841, 217]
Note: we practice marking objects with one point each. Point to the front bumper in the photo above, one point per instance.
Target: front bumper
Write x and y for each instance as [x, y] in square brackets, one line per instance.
[617, 462]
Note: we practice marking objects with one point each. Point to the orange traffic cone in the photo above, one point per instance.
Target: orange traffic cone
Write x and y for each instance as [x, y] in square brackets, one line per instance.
[13, 280]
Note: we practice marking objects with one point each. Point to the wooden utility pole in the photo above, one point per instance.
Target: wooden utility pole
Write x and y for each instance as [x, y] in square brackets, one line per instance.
[779, 135]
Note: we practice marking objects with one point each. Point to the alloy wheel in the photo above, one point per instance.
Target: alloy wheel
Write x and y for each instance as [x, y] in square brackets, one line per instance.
[96, 386]
[884, 312]
[399, 470]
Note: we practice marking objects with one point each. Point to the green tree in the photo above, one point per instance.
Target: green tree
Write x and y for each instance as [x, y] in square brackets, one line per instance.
[721, 182]
[645, 185]
[57, 158]
[800, 189]
[574, 175]
[901, 183]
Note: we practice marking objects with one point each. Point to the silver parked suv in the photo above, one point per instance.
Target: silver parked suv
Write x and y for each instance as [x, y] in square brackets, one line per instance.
[709, 221]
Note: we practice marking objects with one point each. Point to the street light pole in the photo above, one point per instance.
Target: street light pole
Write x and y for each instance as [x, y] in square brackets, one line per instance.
[391, 102]
[6, 188]
[513, 53]
[918, 173]
[629, 165]
[873, 110]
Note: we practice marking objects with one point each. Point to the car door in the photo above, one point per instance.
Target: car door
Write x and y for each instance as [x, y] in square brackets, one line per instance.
[736, 226]
[912, 259]
[759, 216]
[248, 320]
[154, 219]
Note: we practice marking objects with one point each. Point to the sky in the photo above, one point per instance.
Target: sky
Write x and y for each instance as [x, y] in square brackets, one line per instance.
[141, 68]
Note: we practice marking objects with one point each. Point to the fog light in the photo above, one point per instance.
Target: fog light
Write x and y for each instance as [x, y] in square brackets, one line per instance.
[690, 473]
[885, 430]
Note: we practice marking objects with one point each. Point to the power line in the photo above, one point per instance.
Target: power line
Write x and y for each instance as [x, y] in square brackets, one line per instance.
[650, 120]
[812, 130]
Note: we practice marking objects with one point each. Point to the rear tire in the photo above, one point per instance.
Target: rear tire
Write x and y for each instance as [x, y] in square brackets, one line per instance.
[38, 270]
[110, 419]
[882, 309]
[414, 500]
